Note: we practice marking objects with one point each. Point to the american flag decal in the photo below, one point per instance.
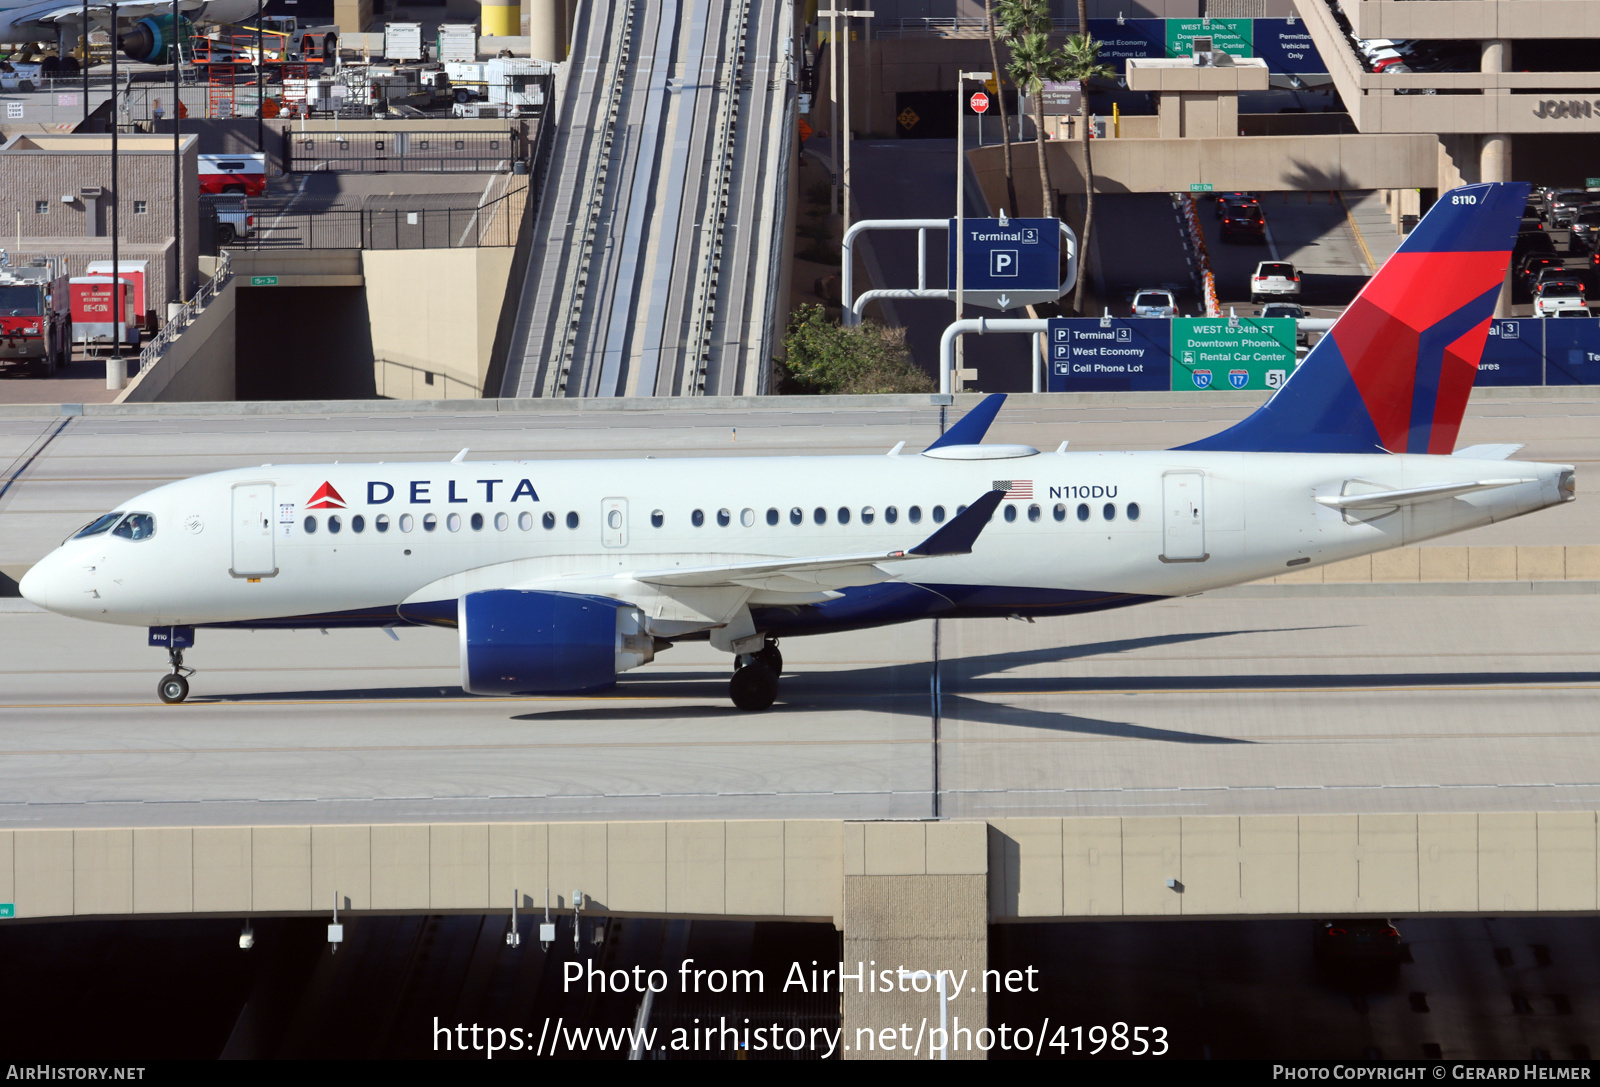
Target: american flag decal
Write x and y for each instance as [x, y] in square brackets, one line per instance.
[1016, 489]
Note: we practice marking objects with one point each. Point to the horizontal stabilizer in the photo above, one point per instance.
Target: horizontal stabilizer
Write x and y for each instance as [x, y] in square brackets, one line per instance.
[1488, 452]
[1386, 499]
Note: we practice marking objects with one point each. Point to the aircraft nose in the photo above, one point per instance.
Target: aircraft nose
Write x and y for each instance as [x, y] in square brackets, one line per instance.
[44, 583]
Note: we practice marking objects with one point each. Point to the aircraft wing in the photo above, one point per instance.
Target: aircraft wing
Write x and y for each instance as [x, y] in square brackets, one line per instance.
[99, 12]
[1386, 499]
[831, 571]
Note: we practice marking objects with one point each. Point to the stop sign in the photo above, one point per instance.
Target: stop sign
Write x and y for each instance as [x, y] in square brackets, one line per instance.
[980, 102]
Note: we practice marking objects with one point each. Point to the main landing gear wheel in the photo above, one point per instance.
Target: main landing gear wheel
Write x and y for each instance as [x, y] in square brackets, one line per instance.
[755, 686]
[173, 688]
[769, 656]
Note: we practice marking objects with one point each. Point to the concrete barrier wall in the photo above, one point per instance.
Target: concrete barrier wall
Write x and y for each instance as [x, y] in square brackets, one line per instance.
[199, 366]
[1419, 564]
[1320, 865]
[829, 870]
[433, 312]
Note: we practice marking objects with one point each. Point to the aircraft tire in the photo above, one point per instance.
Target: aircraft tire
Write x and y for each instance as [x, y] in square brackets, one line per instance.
[753, 687]
[172, 689]
[771, 657]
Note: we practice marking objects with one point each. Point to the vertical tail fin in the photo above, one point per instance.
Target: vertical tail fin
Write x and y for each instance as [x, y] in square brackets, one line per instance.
[1394, 373]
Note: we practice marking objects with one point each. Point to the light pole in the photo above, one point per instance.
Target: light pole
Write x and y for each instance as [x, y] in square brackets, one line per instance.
[841, 188]
[961, 208]
[86, 53]
[116, 368]
[177, 157]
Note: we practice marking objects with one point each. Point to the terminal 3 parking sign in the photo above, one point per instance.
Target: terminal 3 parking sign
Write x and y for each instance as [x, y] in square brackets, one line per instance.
[1092, 354]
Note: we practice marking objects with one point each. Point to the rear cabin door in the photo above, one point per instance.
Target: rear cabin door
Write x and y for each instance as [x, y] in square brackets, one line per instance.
[252, 531]
[1184, 519]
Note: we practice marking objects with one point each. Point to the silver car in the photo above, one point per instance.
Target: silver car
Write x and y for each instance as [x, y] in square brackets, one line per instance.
[1151, 303]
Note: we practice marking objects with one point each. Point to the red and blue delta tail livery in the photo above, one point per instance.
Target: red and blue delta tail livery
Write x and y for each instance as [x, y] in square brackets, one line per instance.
[1394, 373]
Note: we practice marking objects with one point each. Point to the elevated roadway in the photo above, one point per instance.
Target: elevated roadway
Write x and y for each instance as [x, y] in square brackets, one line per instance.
[1273, 699]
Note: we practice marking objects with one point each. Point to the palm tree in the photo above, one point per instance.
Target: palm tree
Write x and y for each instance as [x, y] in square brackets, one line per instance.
[1080, 60]
[1000, 96]
[1033, 64]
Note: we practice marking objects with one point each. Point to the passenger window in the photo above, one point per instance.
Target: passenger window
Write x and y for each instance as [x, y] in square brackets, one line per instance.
[381, 522]
[1083, 511]
[747, 517]
[1133, 511]
[1033, 513]
[549, 520]
[572, 518]
[310, 525]
[1060, 512]
[914, 515]
[867, 514]
[772, 515]
[501, 522]
[453, 522]
[1109, 511]
[334, 524]
[890, 514]
[723, 518]
[938, 515]
[429, 522]
[136, 526]
[1011, 513]
[657, 518]
[844, 515]
[477, 522]
[697, 518]
[525, 521]
[407, 522]
[795, 515]
[819, 515]
[358, 523]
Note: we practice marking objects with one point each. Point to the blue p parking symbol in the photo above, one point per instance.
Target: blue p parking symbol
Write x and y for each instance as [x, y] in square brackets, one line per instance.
[1002, 262]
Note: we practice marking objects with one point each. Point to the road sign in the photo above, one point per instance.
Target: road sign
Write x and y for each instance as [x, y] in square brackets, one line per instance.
[1513, 353]
[992, 85]
[8, 909]
[980, 102]
[1199, 186]
[1062, 99]
[263, 281]
[1008, 265]
[1219, 353]
[1092, 354]
[1591, 183]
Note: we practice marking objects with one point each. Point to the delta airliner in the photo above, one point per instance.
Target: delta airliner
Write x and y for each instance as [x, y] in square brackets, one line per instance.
[560, 575]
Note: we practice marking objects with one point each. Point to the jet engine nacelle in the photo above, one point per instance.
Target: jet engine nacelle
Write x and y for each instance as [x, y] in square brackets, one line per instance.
[150, 40]
[528, 642]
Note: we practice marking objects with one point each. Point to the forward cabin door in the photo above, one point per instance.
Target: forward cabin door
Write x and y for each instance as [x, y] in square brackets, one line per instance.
[1184, 517]
[252, 531]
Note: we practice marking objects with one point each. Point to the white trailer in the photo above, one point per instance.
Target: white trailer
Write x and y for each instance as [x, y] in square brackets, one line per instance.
[402, 41]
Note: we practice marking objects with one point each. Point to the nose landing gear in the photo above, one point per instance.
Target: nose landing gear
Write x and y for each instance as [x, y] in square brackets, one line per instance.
[175, 687]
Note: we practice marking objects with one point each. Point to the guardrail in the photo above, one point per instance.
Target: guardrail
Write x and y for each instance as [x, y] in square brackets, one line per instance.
[151, 353]
[485, 226]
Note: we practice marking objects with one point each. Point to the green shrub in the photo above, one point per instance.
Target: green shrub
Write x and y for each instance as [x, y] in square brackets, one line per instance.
[824, 357]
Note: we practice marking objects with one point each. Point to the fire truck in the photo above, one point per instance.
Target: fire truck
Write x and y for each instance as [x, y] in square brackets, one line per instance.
[35, 329]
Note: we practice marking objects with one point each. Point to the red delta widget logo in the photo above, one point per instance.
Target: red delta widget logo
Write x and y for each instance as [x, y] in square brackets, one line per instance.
[326, 498]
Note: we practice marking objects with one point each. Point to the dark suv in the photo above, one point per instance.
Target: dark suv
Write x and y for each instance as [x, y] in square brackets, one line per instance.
[1244, 222]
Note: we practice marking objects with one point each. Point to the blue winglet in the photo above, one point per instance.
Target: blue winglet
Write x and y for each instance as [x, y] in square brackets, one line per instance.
[961, 533]
[971, 427]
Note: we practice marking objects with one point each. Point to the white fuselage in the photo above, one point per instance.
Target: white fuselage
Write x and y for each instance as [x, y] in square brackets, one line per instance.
[42, 20]
[1204, 520]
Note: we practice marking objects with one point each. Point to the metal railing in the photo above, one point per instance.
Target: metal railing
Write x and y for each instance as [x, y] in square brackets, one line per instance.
[151, 353]
[491, 225]
[400, 151]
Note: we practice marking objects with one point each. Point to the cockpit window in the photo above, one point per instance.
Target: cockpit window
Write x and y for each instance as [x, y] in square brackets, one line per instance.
[98, 525]
[136, 526]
